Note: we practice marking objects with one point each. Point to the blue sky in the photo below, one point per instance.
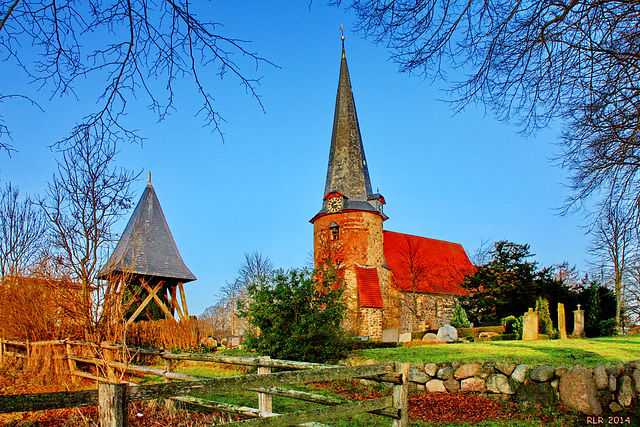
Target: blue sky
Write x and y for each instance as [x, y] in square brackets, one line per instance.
[463, 178]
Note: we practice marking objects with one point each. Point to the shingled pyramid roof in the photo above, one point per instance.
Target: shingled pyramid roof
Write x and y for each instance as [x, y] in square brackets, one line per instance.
[347, 173]
[147, 246]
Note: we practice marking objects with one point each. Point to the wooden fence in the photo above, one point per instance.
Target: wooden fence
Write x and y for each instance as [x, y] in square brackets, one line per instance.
[113, 394]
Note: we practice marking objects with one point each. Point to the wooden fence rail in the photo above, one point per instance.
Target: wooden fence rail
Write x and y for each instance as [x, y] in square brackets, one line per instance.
[112, 397]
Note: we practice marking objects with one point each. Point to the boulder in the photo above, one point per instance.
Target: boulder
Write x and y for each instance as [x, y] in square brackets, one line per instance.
[636, 379]
[472, 384]
[431, 369]
[505, 367]
[613, 383]
[600, 376]
[430, 337]
[435, 386]
[447, 333]
[615, 370]
[626, 394]
[417, 375]
[542, 373]
[519, 374]
[467, 370]
[561, 370]
[452, 386]
[532, 393]
[499, 383]
[614, 407]
[578, 391]
[445, 372]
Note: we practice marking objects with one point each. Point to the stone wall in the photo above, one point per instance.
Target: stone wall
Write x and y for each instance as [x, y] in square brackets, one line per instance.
[434, 310]
[591, 391]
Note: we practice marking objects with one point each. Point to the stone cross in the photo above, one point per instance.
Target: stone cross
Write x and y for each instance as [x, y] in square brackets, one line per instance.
[578, 322]
[530, 326]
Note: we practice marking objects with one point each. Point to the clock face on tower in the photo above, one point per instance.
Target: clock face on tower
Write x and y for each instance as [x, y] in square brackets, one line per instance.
[334, 205]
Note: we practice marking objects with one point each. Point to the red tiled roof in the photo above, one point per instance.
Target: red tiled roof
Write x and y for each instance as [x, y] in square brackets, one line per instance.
[438, 266]
[369, 287]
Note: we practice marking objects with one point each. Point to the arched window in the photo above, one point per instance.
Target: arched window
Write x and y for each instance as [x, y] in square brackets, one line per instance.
[335, 231]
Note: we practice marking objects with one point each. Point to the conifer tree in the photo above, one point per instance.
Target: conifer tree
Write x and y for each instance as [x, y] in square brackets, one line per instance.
[459, 317]
[544, 318]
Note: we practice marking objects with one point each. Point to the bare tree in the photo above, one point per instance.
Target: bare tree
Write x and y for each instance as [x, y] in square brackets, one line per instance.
[570, 276]
[613, 246]
[416, 268]
[256, 269]
[232, 293]
[82, 203]
[531, 62]
[22, 232]
[125, 45]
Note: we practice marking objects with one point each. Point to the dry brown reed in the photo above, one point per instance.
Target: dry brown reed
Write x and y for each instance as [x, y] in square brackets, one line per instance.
[38, 309]
[47, 365]
[166, 333]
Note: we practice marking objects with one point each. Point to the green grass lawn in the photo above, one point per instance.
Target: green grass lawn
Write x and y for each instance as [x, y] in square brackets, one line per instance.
[585, 352]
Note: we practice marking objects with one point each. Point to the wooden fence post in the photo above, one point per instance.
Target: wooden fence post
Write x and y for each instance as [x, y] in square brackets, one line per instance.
[168, 367]
[71, 362]
[108, 356]
[113, 402]
[28, 351]
[400, 395]
[265, 400]
[1, 351]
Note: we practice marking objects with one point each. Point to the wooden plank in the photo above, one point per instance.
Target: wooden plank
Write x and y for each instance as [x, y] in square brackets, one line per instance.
[211, 385]
[44, 401]
[137, 368]
[112, 404]
[183, 297]
[400, 394]
[146, 301]
[225, 407]
[247, 361]
[319, 398]
[157, 299]
[265, 401]
[15, 354]
[347, 409]
[174, 302]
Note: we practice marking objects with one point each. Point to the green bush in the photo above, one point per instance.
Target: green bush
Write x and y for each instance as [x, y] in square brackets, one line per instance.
[459, 317]
[518, 325]
[297, 316]
[608, 328]
[545, 325]
[509, 324]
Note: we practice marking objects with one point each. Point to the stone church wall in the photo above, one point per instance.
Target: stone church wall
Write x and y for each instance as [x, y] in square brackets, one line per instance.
[434, 311]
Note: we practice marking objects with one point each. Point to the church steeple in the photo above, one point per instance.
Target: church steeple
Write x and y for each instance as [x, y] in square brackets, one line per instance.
[347, 172]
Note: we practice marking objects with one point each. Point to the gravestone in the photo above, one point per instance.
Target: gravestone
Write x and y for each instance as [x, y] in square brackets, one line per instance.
[234, 340]
[390, 335]
[447, 333]
[406, 337]
[578, 322]
[530, 326]
[562, 327]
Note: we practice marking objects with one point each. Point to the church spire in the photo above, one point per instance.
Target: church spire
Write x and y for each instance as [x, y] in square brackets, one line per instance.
[347, 172]
[348, 187]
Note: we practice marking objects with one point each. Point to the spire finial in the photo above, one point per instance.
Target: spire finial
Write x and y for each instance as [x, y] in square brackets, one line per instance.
[342, 38]
[149, 181]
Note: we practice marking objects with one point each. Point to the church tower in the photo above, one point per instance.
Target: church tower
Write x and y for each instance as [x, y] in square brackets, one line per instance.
[348, 229]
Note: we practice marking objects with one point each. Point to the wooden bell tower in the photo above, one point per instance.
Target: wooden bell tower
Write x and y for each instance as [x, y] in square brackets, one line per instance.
[146, 264]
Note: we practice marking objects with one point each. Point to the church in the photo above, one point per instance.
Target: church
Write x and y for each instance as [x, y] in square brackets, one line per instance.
[391, 280]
